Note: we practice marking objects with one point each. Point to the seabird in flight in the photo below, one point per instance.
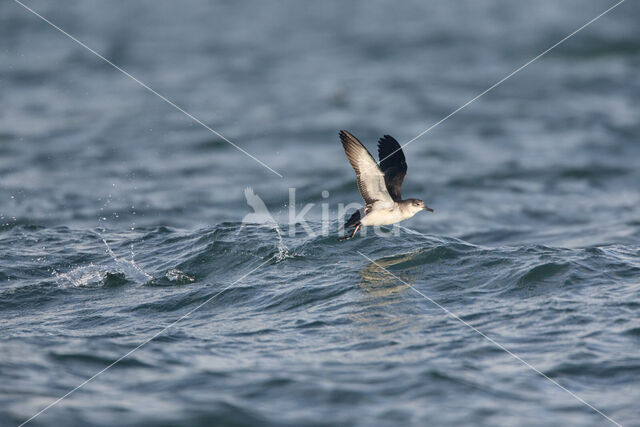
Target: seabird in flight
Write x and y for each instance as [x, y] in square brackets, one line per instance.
[379, 186]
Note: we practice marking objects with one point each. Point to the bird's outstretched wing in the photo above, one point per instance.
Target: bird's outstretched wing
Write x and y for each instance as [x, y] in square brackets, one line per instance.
[393, 165]
[369, 176]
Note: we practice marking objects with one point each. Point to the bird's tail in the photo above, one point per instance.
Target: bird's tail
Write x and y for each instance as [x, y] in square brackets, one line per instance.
[353, 219]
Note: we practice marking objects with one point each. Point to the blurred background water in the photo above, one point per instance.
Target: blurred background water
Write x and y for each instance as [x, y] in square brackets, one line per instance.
[119, 214]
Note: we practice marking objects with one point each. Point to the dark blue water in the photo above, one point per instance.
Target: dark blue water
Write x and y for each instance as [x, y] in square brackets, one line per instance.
[119, 214]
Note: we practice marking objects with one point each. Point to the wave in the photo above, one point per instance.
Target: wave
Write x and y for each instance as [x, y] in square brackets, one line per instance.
[163, 256]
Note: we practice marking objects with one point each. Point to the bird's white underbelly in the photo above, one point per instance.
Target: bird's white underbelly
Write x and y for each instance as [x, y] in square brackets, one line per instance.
[382, 217]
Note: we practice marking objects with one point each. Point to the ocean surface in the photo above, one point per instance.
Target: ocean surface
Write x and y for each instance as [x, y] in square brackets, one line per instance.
[122, 219]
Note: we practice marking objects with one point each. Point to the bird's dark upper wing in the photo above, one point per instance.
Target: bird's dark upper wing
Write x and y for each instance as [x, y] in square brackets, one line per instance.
[371, 180]
[393, 165]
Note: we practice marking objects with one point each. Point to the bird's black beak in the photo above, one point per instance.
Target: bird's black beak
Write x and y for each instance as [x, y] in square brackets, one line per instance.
[428, 209]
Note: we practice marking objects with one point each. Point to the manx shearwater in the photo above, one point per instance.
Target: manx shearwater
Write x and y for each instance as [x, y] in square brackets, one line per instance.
[379, 186]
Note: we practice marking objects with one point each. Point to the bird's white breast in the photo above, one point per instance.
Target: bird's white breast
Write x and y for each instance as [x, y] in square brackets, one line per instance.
[385, 216]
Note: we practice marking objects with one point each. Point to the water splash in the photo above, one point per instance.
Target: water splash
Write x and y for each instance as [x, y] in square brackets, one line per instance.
[177, 276]
[283, 250]
[129, 267]
[82, 276]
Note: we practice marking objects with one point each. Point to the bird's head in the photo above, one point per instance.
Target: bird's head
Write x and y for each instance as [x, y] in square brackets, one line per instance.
[417, 205]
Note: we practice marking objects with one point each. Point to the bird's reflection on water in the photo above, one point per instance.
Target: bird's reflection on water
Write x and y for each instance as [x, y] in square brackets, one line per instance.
[382, 289]
[379, 282]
